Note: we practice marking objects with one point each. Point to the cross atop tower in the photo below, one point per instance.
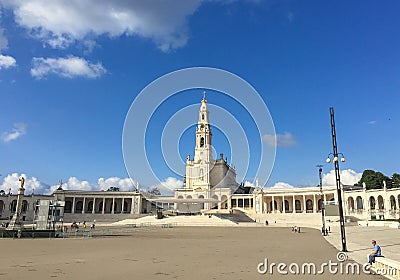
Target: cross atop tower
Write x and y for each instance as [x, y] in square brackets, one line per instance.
[60, 185]
[204, 96]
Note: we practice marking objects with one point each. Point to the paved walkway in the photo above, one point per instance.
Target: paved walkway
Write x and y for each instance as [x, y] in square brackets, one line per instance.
[359, 238]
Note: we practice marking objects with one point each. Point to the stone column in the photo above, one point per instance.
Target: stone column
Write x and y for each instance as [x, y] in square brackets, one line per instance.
[73, 205]
[365, 200]
[294, 205]
[315, 204]
[104, 205]
[94, 205]
[83, 205]
[304, 204]
[386, 200]
[283, 204]
[122, 205]
[132, 205]
[139, 208]
[265, 208]
[273, 204]
[112, 207]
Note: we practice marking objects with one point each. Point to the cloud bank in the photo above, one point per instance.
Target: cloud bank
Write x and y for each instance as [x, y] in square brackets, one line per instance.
[282, 185]
[18, 130]
[7, 61]
[68, 67]
[347, 177]
[60, 23]
[73, 183]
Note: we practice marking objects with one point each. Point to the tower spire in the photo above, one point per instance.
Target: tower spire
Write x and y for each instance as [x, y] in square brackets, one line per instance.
[204, 97]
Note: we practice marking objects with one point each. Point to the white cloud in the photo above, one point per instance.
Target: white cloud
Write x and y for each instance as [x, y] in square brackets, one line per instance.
[11, 181]
[281, 140]
[69, 67]
[123, 184]
[60, 23]
[73, 183]
[372, 122]
[18, 130]
[168, 185]
[7, 61]
[249, 184]
[282, 185]
[347, 177]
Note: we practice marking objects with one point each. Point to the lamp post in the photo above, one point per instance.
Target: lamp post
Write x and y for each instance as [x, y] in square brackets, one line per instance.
[335, 156]
[322, 199]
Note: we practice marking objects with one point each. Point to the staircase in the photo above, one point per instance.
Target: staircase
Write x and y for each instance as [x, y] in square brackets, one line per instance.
[236, 218]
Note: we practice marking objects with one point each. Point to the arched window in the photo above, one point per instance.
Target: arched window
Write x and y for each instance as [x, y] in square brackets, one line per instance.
[297, 205]
[359, 202]
[372, 202]
[90, 206]
[24, 206]
[79, 206]
[202, 142]
[286, 205]
[309, 205]
[68, 206]
[350, 203]
[13, 205]
[381, 203]
[202, 117]
[392, 203]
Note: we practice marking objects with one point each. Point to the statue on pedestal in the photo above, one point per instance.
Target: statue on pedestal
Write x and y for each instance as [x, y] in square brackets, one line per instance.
[22, 180]
[16, 222]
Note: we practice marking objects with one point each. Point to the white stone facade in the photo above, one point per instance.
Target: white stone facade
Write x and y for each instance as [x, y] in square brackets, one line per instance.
[212, 180]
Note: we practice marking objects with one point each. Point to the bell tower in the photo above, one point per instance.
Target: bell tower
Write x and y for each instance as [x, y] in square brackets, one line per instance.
[203, 150]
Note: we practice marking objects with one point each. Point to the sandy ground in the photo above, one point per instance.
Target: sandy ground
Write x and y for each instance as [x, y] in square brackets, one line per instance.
[172, 253]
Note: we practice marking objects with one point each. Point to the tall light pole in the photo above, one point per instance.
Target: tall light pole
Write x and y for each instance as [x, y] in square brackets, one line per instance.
[322, 199]
[337, 174]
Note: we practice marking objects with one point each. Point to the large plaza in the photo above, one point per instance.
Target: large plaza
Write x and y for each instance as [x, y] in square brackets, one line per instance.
[173, 253]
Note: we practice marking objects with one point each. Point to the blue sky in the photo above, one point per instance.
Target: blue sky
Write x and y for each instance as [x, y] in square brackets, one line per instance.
[69, 73]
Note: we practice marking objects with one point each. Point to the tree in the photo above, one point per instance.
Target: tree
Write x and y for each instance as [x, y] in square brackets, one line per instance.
[113, 189]
[155, 191]
[373, 179]
[395, 180]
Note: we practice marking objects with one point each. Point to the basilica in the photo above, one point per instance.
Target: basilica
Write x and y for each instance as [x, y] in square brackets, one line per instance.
[209, 187]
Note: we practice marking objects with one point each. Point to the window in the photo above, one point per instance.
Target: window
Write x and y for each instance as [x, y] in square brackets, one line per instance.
[202, 142]
[202, 117]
